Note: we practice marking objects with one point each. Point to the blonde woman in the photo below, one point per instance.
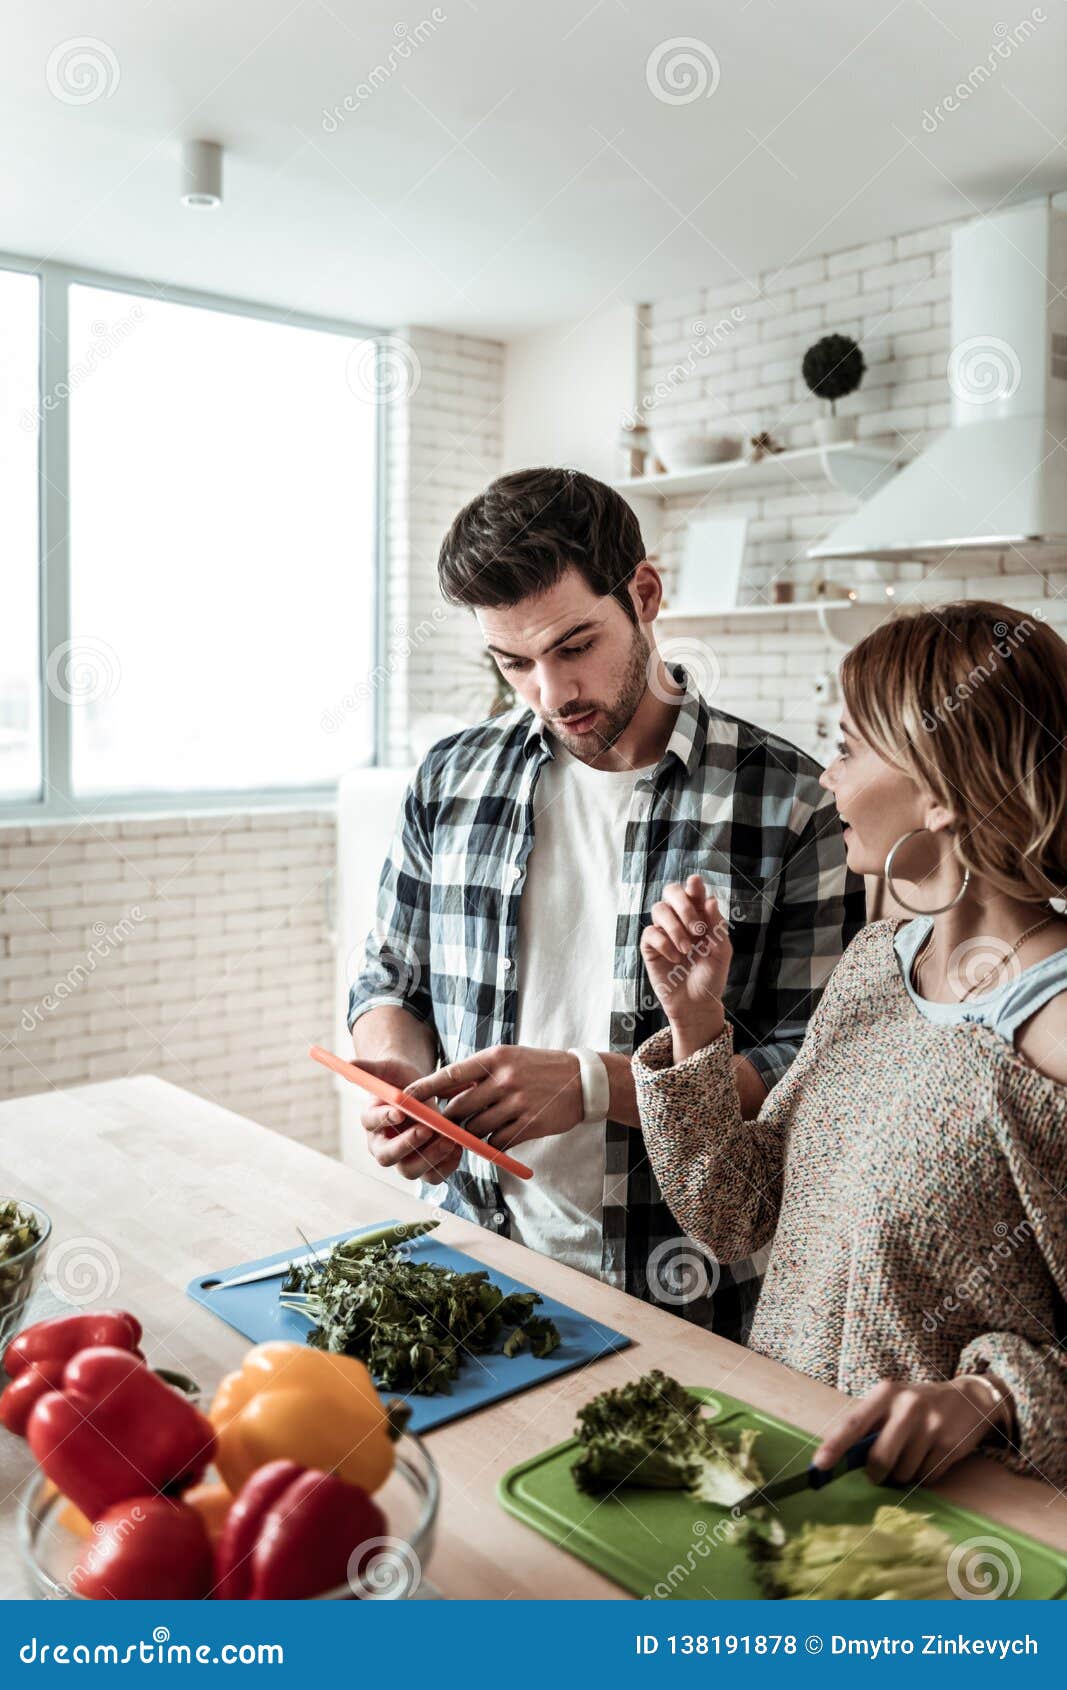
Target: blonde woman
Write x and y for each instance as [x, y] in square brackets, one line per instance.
[911, 1167]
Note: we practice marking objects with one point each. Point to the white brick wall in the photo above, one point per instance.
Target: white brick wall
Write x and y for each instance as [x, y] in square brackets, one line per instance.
[224, 975]
[445, 444]
[893, 297]
[194, 947]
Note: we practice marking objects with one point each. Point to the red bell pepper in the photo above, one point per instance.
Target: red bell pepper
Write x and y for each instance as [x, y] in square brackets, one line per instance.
[59, 1339]
[19, 1397]
[233, 1554]
[35, 1359]
[147, 1548]
[291, 1533]
[114, 1430]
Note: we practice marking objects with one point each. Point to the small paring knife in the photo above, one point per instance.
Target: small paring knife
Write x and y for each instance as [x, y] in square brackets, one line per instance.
[408, 1231]
[275, 1271]
[812, 1478]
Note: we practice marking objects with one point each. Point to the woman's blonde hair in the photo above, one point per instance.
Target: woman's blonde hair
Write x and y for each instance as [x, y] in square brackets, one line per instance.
[971, 701]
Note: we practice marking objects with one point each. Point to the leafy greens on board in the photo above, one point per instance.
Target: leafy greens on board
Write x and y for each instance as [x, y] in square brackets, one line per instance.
[652, 1434]
[412, 1323]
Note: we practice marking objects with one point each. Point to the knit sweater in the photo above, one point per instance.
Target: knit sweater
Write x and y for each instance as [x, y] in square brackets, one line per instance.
[912, 1178]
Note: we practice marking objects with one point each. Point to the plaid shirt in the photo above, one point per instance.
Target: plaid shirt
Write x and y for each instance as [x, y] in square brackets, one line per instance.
[727, 801]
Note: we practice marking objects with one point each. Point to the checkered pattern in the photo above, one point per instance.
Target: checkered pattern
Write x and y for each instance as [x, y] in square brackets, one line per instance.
[726, 801]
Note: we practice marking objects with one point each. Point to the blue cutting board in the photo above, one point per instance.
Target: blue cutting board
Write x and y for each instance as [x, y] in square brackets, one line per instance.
[254, 1311]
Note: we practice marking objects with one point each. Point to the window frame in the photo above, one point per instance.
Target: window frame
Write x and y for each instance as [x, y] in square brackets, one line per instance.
[57, 800]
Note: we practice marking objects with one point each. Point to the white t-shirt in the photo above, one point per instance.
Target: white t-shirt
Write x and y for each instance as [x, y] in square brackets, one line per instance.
[567, 922]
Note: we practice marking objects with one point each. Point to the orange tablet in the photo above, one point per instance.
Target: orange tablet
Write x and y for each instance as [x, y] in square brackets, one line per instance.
[424, 1113]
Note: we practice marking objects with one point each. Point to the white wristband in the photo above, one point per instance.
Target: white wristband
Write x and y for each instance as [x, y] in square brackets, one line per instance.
[596, 1088]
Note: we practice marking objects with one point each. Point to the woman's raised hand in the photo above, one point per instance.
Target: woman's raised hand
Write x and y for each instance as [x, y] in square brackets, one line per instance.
[687, 953]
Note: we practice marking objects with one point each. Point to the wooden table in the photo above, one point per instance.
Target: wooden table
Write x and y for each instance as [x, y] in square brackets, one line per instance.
[166, 1185]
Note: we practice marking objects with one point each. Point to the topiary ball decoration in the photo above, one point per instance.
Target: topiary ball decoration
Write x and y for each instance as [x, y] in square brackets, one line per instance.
[833, 367]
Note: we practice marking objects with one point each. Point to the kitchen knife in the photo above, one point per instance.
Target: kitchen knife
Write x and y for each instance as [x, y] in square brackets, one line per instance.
[406, 1232]
[276, 1271]
[812, 1478]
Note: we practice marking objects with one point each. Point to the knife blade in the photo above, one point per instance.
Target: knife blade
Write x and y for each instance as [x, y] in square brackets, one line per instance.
[811, 1478]
[274, 1271]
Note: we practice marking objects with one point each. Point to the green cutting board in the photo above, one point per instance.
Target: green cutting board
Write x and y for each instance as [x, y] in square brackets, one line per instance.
[665, 1544]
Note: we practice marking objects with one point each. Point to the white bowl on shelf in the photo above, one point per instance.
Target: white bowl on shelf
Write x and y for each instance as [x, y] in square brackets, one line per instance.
[684, 447]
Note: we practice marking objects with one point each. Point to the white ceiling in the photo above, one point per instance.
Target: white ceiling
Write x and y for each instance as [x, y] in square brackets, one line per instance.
[514, 168]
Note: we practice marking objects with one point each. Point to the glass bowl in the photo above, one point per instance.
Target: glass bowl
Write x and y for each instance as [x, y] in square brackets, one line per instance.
[391, 1566]
[19, 1274]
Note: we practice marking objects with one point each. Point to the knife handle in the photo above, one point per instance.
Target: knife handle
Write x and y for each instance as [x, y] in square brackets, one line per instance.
[854, 1457]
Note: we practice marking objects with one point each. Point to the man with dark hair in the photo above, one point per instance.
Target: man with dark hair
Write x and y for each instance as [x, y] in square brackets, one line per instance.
[517, 538]
[504, 971]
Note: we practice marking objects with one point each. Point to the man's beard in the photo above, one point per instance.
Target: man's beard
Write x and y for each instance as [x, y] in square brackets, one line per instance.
[615, 717]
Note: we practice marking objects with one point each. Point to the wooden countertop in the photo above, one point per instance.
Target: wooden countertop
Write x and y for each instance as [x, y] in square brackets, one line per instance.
[161, 1185]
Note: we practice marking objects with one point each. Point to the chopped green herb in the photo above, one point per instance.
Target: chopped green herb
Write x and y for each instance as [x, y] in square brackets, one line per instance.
[542, 1333]
[413, 1323]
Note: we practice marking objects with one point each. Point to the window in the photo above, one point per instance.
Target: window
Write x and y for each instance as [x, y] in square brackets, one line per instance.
[20, 702]
[214, 627]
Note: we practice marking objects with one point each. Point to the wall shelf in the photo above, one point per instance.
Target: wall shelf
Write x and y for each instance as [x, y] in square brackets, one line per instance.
[844, 621]
[852, 466]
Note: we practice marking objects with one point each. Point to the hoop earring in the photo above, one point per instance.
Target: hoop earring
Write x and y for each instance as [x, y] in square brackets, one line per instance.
[888, 873]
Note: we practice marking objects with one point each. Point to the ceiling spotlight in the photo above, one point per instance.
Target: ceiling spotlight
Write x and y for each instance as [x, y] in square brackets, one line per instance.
[201, 173]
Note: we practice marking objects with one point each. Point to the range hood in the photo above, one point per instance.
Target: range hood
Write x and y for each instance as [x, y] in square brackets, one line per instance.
[998, 478]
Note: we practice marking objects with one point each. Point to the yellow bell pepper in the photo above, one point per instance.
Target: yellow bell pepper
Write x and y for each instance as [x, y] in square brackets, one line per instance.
[212, 1502]
[306, 1405]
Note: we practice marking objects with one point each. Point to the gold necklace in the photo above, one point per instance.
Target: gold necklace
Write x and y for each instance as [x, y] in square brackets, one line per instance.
[1038, 927]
